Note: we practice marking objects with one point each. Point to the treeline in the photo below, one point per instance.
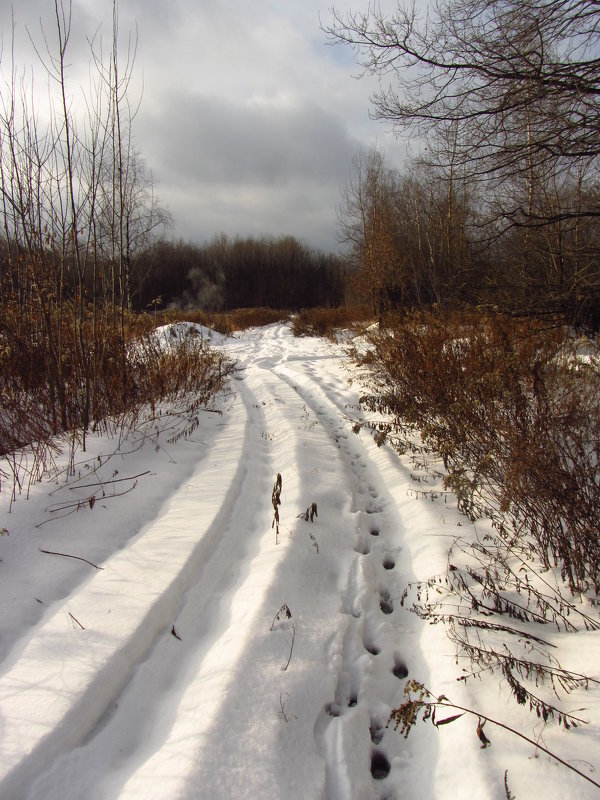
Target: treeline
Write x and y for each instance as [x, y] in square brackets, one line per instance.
[420, 238]
[502, 206]
[228, 273]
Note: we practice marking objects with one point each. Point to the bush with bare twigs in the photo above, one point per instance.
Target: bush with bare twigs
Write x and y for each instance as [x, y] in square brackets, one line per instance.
[513, 414]
[40, 399]
[326, 321]
[515, 419]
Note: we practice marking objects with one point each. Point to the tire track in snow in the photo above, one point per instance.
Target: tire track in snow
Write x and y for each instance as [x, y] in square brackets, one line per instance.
[228, 751]
[167, 764]
[207, 614]
[92, 666]
[157, 759]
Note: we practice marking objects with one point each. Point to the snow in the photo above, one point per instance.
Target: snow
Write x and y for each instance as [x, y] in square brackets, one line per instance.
[174, 333]
[171, 669]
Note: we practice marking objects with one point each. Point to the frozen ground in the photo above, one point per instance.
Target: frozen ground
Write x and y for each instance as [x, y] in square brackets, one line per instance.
[199, 658]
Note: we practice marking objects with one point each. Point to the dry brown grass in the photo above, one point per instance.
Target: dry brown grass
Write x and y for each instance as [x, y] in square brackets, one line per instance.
[517, 425]
[328, 321]
[41, 397]
[225, 321]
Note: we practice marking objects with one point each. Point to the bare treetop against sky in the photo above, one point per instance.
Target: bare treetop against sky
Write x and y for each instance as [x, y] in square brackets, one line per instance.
[248, 119]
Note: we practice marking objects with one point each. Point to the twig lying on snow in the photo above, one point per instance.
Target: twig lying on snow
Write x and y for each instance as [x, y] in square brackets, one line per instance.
[110, 480]
[282, 702]
[175, 634]
[77, 621]
[283, 615]
[69, 508]
[67, 555]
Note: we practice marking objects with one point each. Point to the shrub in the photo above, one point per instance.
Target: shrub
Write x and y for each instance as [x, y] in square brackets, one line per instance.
[515, 420]
[122, 370]
[326, 321]
[515, 417]
[226, 321]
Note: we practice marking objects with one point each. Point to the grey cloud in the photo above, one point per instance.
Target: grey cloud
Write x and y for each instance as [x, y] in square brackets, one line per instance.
[247, 170]
[217, 142]
[202, 211]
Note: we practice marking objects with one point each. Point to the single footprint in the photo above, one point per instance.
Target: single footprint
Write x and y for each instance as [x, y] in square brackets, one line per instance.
[400, 669]
[380, 766]
[385, 603]
[371, 648]
[376, 730]
[363, 548]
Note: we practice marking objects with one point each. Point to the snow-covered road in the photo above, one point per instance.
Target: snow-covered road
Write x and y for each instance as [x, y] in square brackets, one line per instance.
[204, 659]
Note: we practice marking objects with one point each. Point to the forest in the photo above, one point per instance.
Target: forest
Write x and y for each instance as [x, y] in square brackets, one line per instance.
[228, 273]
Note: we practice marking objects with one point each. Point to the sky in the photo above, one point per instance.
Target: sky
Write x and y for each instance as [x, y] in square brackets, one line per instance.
[249, 120]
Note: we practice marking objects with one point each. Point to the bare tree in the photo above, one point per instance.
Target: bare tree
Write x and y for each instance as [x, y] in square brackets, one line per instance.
[64, 269]
[367, 218]
[407, 233]
[504, 94]
[519, 80]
